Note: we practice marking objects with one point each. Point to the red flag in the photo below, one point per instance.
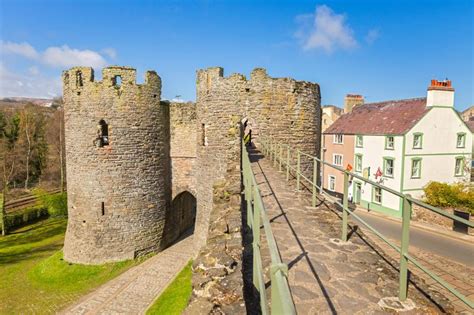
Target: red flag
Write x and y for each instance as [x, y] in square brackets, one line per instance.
[349, 168]
[378, 173]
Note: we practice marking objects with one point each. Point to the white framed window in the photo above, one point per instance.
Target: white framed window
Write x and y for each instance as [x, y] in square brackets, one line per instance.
[461, 140]
[332, 183]
[388, 166]
[459, 166]
[389, 142]
[337, 159]
[417, 140]
[359, 141]
[358, 163]
[338, 139]
[416, 168]
[377, 195]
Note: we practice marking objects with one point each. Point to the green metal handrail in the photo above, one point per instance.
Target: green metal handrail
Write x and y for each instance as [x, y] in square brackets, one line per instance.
[268, 149]
[281, 301]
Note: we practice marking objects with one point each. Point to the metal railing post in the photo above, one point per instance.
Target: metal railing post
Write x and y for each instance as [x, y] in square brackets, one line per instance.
[406, 212]
[280, 158]
[345, 204]
[288, 163]
[315, 175]
[256, 241]
[298, 167]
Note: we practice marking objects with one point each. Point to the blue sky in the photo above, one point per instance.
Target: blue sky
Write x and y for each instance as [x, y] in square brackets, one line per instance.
[381, 49]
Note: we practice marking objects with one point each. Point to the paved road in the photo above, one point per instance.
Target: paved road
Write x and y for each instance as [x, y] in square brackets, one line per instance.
[459, 251]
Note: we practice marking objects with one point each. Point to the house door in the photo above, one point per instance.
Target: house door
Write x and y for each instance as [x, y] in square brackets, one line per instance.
[357, 192]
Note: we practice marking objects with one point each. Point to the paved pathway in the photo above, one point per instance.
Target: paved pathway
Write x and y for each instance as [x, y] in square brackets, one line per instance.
[325, 275]
[133, 291]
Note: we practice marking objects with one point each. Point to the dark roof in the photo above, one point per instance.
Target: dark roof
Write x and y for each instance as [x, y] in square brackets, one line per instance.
[470, 125]
[389, 117]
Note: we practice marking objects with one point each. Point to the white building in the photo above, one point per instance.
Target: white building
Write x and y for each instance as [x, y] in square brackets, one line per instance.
[404, 145]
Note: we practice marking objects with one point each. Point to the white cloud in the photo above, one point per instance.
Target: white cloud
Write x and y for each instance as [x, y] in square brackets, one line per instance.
[23, 49]
[372, 36]
[60, 57]
[112, 53]
[325, 30]
[67, 57]
[32, 82]
[14, 84]
[33, 70]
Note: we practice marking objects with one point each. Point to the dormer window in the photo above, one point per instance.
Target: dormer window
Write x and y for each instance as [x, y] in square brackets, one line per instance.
[102, 134]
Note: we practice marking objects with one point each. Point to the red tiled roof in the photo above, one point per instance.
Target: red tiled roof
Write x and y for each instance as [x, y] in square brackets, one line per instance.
[470, 125]
[390, 117]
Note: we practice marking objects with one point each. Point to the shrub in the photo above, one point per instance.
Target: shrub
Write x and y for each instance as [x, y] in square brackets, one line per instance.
[457, 195]
[55, 203]
[28, 215]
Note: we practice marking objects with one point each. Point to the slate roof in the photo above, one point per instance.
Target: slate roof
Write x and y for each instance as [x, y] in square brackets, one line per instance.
[389, 117]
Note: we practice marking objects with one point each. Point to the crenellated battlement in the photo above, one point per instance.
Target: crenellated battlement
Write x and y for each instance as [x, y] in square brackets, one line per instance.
[210, 75]
[119, 77]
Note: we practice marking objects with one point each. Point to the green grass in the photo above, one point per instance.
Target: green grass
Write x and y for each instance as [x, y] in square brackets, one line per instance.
[176, 296]
[35, 279]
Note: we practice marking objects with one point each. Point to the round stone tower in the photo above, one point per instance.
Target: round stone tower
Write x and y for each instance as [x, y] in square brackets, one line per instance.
[118, 164]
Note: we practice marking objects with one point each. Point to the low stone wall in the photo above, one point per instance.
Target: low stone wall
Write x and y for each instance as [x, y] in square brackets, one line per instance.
[217, 270]
[421, 214]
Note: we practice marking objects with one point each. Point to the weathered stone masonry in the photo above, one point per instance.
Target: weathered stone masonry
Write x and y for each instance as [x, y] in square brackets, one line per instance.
[122, 178]
[282, 108]
[118, 194]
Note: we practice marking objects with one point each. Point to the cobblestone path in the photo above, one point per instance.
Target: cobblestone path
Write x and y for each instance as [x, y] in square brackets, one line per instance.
[133, 291]
[327, 276]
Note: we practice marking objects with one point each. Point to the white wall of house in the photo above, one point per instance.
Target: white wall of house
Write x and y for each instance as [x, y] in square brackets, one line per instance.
[439, 129]
[373, 153]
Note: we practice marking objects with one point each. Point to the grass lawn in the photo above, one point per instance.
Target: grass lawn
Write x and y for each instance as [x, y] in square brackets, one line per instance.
[35, 279]
[176, 296]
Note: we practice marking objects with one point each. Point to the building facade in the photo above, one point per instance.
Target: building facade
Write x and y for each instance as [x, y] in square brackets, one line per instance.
[402, 145]
[330, 114]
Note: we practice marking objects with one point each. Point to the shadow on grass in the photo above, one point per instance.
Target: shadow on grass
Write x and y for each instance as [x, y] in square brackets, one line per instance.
[43, 231]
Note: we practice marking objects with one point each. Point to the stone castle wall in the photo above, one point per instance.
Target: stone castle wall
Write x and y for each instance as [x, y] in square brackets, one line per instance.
[183, 129]
[282, 108]
[183, 162]
[118, 194]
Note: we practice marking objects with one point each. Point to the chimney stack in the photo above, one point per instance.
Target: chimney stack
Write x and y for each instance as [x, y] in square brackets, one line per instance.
[440, 93]
[351, 101]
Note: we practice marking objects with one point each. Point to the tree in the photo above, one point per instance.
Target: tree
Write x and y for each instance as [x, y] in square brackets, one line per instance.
[9, 133]
[33, 142]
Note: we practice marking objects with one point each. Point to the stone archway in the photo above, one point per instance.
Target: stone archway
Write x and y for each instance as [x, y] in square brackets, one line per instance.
[180, 218]
[184, 209]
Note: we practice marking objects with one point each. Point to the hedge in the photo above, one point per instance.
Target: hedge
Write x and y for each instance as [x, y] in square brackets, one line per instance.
[28, 215]
[459, 196]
